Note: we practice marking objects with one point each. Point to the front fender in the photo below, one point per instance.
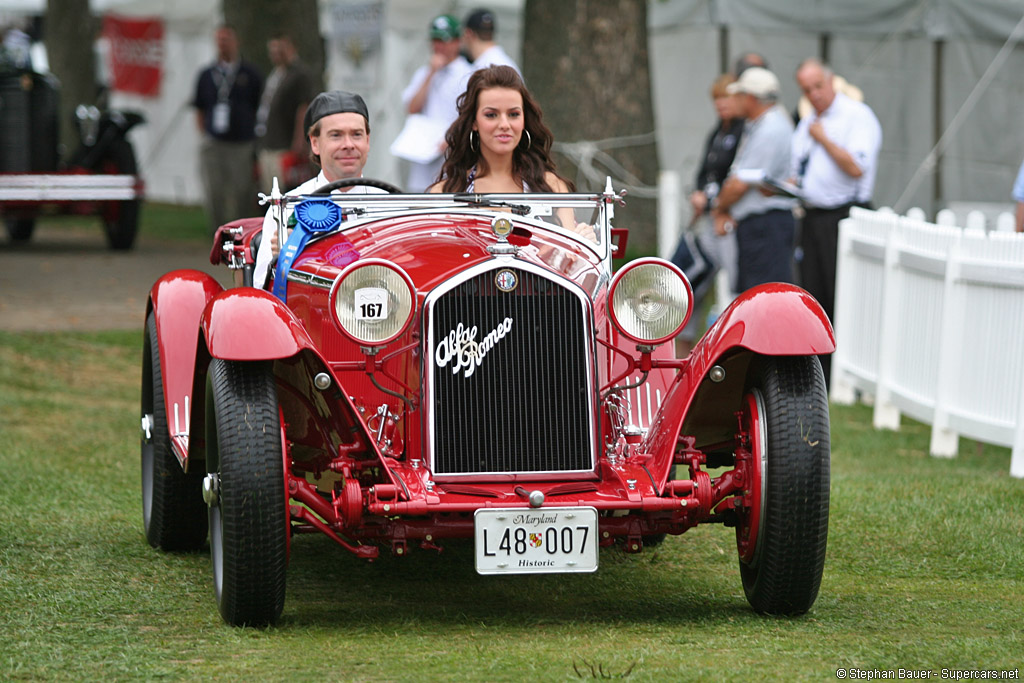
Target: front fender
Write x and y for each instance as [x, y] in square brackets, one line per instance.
[245, 323]
[248, 324]
[177, 301]
[775, 319]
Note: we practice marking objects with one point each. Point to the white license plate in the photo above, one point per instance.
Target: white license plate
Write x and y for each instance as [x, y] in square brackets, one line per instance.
[536, 541]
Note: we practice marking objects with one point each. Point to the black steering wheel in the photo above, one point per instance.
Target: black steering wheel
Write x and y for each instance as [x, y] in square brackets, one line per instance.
[352, 182]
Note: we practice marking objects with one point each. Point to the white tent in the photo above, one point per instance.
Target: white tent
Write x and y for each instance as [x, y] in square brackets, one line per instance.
[927, 67]
[931, 69]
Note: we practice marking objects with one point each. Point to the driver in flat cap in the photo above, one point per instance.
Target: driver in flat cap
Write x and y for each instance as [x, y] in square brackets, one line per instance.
[337, 124]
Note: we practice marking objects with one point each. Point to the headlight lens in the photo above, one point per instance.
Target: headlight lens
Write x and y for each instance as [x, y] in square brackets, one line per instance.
[650, 301]
[373, 301]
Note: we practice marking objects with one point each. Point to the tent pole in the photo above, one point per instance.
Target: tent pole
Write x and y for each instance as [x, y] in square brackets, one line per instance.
[937, 120]
[723, 50]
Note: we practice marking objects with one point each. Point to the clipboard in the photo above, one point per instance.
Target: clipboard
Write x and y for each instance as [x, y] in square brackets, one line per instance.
[782, 188]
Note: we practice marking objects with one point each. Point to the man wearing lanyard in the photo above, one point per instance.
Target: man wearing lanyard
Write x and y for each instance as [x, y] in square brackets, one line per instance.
[834, 158]
[226, 99]
[337, 125]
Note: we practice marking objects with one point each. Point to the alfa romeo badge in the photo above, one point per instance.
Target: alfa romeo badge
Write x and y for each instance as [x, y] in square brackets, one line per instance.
[506, 280]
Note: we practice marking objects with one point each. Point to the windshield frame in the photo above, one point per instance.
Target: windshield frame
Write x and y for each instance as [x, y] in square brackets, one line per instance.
[539, 206]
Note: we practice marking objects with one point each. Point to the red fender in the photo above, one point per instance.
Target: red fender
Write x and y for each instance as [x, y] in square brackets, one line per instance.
[177, 301]
[248, 324]
[774, 319]
[245, 323]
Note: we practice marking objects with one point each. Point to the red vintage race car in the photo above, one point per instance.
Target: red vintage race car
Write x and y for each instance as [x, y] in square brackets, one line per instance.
[435, 367]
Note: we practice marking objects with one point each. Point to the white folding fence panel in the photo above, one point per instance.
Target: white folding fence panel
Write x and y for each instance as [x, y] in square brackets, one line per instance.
[984, 344]
[930, 322]
[912, 321]
[860, 281]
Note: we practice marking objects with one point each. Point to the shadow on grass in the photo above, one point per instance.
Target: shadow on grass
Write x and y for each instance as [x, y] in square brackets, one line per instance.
[327, 587]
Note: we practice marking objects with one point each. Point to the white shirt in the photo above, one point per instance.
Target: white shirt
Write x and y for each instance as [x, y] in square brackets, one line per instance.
[495, 56]
[854, 127]
[764, 151]
[445, 87]
[440, 106]
[264, 256]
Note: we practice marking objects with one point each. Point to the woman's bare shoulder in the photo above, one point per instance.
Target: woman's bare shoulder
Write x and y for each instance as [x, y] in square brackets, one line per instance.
[555, 183]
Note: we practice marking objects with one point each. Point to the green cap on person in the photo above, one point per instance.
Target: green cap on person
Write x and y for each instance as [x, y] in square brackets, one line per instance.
[445, 27]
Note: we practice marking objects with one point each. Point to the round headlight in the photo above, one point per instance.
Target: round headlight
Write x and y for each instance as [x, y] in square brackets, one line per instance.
[373, 301]
[650, 301]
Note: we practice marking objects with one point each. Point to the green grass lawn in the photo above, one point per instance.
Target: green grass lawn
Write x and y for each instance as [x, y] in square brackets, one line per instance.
[925, 570]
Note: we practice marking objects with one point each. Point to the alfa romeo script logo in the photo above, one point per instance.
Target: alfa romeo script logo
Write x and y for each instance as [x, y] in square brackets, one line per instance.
[460, 347]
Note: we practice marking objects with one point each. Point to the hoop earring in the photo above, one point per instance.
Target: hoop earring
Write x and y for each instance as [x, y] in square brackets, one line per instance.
[529, 139]
[477, 148]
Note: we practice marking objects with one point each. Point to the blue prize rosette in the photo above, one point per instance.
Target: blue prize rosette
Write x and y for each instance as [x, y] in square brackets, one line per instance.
[312, 217]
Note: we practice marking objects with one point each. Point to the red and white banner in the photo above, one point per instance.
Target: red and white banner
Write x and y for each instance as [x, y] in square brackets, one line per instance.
[136, 53]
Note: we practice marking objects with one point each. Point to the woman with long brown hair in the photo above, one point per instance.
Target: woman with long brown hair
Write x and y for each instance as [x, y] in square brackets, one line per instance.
[499, 142]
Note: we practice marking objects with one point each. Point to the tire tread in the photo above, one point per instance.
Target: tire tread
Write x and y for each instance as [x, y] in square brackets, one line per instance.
[792, 559]
[252, 501]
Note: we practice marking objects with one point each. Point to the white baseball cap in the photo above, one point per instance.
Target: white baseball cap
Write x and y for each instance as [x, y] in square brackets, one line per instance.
[756, 81]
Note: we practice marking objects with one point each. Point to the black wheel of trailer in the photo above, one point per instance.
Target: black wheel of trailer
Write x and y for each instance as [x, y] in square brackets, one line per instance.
[173, 513]
[20, 229]
[782, 536]
[120, 218]
[248, 506]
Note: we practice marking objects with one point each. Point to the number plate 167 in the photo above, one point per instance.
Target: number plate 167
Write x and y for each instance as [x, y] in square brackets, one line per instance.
[371, 303]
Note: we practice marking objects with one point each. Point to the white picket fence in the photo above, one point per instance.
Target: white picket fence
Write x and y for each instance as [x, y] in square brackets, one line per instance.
[929, 322]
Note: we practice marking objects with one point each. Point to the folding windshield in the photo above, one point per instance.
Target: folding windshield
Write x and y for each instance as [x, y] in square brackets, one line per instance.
[586, 218]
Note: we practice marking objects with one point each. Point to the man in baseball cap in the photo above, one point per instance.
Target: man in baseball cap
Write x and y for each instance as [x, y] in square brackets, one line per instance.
[337, 125]
[444, 28]
[756, 81]
[763, 222]
[478, 40]
[430, 99]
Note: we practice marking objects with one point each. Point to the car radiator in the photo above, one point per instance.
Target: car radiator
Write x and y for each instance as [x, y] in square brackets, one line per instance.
[510, 378]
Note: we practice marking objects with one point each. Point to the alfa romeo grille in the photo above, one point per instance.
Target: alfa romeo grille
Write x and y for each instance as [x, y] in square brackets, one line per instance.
[509, 377]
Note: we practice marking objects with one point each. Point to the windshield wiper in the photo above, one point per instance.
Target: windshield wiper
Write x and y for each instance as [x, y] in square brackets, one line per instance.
[481, 200]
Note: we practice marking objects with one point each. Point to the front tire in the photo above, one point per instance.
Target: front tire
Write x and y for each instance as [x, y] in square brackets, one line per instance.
[173, 514]
[248, 513]
[782, 556]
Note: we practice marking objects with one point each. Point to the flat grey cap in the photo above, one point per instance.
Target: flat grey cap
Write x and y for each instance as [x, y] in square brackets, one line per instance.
[334, 102]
